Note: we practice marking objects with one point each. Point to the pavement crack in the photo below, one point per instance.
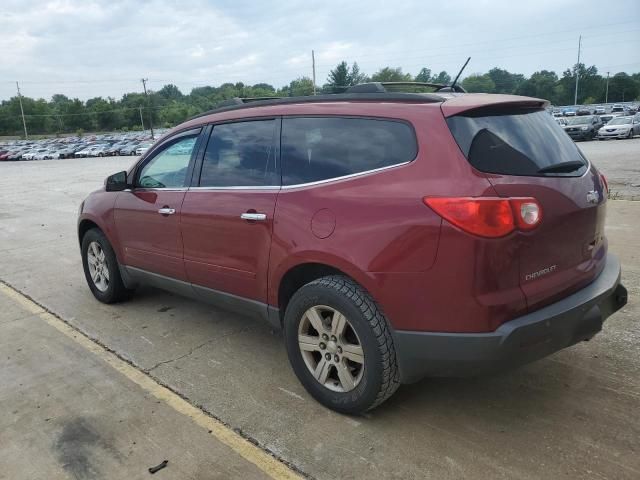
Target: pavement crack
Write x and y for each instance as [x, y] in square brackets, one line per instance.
[196, 348]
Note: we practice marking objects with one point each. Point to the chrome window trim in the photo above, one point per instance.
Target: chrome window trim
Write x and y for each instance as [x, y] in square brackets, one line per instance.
[345, 177]
[148, 189]
[302, 185]
[244, 187]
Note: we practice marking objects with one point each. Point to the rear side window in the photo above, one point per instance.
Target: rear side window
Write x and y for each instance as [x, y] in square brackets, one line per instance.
[516, 142]
[321, 148]
[241, 154]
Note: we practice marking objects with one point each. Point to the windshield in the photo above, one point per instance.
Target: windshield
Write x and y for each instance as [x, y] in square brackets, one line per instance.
[620, 121]
[579, 121]
[515, 142]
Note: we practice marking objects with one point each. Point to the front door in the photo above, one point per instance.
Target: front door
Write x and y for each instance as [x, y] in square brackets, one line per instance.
[227, 218]
[147, 217]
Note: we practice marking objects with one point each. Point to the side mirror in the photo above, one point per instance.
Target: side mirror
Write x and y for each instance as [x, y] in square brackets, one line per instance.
[116, 182]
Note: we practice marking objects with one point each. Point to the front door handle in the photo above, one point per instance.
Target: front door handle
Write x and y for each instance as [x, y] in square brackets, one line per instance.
[166, 211]
[254, 217]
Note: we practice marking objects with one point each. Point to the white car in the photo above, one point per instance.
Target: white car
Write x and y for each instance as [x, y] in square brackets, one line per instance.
[620, 127]
[143, 148]
[600, 111]
[45, 155]
[85, 152]
[31, 154]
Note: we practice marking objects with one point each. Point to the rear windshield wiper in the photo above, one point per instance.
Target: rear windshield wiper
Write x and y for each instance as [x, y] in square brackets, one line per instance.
[564, 167]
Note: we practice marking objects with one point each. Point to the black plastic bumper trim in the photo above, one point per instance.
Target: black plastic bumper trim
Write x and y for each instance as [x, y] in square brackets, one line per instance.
[522, 340]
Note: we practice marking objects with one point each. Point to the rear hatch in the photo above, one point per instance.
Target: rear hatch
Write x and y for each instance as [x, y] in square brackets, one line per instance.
[524, 153]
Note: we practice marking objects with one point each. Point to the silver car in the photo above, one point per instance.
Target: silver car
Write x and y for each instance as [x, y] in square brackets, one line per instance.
[620, 127]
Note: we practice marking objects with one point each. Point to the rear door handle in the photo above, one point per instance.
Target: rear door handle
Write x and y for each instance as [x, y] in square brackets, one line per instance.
[254, 217]
[166, 211]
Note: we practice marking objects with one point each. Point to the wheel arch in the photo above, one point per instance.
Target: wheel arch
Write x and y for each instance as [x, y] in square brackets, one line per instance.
[294, 276]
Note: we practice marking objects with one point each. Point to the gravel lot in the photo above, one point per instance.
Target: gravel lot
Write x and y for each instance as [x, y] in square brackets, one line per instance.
[575, 414]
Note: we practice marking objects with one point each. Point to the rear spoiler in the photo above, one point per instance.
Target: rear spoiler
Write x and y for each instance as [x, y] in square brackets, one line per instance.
[470, 102]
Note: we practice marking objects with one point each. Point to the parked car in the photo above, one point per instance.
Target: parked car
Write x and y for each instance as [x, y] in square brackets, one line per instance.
[584, 111]
[569, 112]
[600, 110]
[31, 154]
[129, 149]
[98, 150]
[617, 108]
[389, 239]
[85, 152]
[583, 128]
[142, 148]
[561, 121]
[604, 119]
[620, 127]
[44, 155]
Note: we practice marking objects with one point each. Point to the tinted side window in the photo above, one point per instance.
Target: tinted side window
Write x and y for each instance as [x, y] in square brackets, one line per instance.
[168, 168]
[320, 148]
[241, 154]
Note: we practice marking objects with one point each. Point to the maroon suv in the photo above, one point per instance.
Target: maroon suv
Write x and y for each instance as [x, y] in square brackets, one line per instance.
[390, 235]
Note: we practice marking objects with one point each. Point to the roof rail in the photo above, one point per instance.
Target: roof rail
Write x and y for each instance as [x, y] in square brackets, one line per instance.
[381, 87]
[242, 103]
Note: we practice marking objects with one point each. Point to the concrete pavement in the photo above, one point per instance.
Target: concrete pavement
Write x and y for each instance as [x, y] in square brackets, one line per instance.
[73, 410]
[575, 414]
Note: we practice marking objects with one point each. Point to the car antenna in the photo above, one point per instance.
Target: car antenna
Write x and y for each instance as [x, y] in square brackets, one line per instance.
[452, 86]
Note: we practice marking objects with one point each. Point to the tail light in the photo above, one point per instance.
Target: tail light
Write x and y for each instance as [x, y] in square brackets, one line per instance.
[488, 217]
[604, 183]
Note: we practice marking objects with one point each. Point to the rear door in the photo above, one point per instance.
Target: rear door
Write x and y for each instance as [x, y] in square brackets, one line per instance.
[227, 216]
[525, 153]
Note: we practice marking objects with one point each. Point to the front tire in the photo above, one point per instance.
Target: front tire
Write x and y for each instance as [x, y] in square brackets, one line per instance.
[101, 268]
[340, 346]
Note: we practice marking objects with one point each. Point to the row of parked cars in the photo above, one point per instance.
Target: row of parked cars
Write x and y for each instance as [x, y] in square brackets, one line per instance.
[77, 147]
[601, 127]
[576, 111]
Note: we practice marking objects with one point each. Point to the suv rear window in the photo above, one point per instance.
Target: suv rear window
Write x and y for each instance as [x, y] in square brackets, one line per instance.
[516, 142]
[321, 148]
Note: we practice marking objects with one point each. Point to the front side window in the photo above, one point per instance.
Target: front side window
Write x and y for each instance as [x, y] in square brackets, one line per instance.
[321, 148]
[168, 169]
[241, 154]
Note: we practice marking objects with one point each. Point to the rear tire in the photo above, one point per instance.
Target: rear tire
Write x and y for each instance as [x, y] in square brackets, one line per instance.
[340, 346]
[101, 268]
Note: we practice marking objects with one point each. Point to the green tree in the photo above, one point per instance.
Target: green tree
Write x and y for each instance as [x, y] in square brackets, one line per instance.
[623, 88]
[355, 75]
[170, 92]
[342, 77]
[388, 74]
[541, 85]
[478, 83]
[300, 87]
[442, 78]
[424, 75]
[504, 81]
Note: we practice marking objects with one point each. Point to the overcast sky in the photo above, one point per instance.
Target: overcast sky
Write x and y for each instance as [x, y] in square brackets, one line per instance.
[85, 48]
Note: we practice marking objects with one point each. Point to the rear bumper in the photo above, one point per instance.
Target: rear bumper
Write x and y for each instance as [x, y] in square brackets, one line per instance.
[522, 340]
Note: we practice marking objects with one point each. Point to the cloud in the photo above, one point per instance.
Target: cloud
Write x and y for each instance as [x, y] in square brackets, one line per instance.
[86, 48]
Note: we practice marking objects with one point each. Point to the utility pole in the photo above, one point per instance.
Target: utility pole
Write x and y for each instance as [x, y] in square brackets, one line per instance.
[141, 121]
[144, 85]
[575, 98]
[24, 124]
[313, 64]
[606, 93]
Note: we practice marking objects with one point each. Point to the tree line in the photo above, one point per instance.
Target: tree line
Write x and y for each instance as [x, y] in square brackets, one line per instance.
[169, 106]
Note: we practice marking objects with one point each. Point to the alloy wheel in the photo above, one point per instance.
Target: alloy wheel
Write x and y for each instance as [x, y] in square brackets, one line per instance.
[331, 349]
[98, 268]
